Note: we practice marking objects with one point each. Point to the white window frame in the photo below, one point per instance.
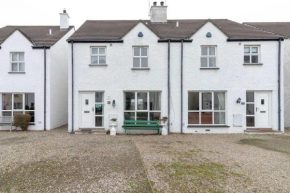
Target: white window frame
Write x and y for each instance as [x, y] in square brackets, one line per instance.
[18, 110]
[17, 62]
[212, 106]
[135, 111]
[208, 56]
[103, 106]
[140, 57]
[252, 54]
[98, 55]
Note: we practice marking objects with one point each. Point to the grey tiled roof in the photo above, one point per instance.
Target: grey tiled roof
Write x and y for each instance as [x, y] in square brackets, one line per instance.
[37, 35]
[116, 29]
[281, 28]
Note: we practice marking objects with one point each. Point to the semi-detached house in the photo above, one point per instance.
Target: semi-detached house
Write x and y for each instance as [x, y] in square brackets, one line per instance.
[33, 71]
[206, 76]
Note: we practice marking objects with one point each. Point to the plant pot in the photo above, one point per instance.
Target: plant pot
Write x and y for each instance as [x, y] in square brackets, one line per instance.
[164, 129]
[113, 129]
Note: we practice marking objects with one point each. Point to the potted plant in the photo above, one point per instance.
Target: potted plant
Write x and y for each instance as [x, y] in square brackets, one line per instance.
[164, 124]
[113, 125]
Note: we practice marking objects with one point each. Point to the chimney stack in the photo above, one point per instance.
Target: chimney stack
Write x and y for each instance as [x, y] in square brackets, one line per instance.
[158, 14]
[64, 20]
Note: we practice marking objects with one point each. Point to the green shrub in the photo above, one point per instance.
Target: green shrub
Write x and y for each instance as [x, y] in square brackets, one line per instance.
[22, 121]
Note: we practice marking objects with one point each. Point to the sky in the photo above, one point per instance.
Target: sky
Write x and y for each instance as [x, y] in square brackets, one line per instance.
[46, 12]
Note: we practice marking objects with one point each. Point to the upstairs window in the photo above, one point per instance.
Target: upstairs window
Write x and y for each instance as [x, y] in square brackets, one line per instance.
[140, 57]
[17, 62]
[208, 57]
[251, 54]
[98, 55]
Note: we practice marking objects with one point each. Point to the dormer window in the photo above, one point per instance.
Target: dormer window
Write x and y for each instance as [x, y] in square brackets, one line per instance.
[17, 62]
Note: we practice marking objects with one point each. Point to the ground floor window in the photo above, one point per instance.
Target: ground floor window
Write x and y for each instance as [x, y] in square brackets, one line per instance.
[142, 105]
[208, 108]
[99, 109]
[250, 109]
[15, 103]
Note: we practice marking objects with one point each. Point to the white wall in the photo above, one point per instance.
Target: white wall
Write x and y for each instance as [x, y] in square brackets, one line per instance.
[232, 76]
[30, 82]
[58, 80]
[286, 56]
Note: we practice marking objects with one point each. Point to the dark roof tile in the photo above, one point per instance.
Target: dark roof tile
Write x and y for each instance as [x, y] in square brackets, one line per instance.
[281, 28]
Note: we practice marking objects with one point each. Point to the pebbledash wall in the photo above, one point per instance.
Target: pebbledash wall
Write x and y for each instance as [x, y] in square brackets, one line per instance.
[32, 81]
[232, 76]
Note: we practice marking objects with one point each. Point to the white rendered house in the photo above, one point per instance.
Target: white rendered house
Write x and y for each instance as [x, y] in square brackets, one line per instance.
[206, 76]
[33, 73]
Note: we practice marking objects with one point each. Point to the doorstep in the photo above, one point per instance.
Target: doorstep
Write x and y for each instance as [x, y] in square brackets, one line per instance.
[99, 131]
[261, 131]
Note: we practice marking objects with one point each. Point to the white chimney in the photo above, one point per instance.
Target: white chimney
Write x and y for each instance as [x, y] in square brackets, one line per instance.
[64, 20]
[158, 13]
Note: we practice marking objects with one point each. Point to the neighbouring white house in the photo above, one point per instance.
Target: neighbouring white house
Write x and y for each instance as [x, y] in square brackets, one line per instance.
[206, 76]
[282, 29]
[34, 73]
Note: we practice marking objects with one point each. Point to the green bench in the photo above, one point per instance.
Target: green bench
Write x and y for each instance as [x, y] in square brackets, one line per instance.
[141, 125]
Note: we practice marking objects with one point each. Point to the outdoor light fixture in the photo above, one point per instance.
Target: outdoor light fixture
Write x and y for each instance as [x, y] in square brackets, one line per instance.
[114, 103]
[239, 100]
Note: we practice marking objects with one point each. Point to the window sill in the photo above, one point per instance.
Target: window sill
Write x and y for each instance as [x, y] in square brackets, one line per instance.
[31, 123]
[225, 126]
[16, 72]
[215, 68]
[254, 64]
[140, 68]
[98, 64]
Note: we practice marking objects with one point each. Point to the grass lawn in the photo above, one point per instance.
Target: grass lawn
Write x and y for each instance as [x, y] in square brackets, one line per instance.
[55, 161]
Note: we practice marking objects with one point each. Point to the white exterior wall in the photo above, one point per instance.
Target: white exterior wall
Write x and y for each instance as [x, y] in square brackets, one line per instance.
[287, 81]
[232, 77]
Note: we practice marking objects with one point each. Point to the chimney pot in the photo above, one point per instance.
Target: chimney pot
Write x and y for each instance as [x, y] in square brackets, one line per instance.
[154, 3]
[64, 11]
[162, 3]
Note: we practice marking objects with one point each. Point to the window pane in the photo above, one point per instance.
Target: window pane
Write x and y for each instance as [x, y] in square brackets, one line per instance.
[193, 101]
[142, 101]
[247, 59]
[14, 67]
[94, 59]
[155, 116]
[99, 121]
[255, 59]
[250, 109]
[102, 59]
[193, 118]
[95, 51]
[17, 113]
[142, 116]
[136, 51]
[250, 97]
[250, 121]
[247, 50]
[31, 113]
[99, 109]
[206, 118]
[219, 101]
[212, 51]
[14, 57]
[18, 101]
[29, 101]
[204, 51]
[21, 67]
[6, 113]
[136, 62]
[6, 102]
[155, 101]
[99, 97]
[102, 51]
[144, 62]
[21, 57]
[144, 52]
[212, 62]
[129, 116]
[219, 118]
[254, 50]
[206, 101]
[129, 101]
[203, 62]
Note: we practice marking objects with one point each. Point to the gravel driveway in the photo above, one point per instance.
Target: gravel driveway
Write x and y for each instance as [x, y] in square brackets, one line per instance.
[55, 161]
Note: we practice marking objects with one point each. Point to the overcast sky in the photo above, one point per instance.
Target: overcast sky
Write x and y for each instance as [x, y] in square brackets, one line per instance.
[46, 12]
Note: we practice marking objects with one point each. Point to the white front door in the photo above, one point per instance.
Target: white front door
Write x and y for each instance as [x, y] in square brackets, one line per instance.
[262, 109]
[87, 109]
